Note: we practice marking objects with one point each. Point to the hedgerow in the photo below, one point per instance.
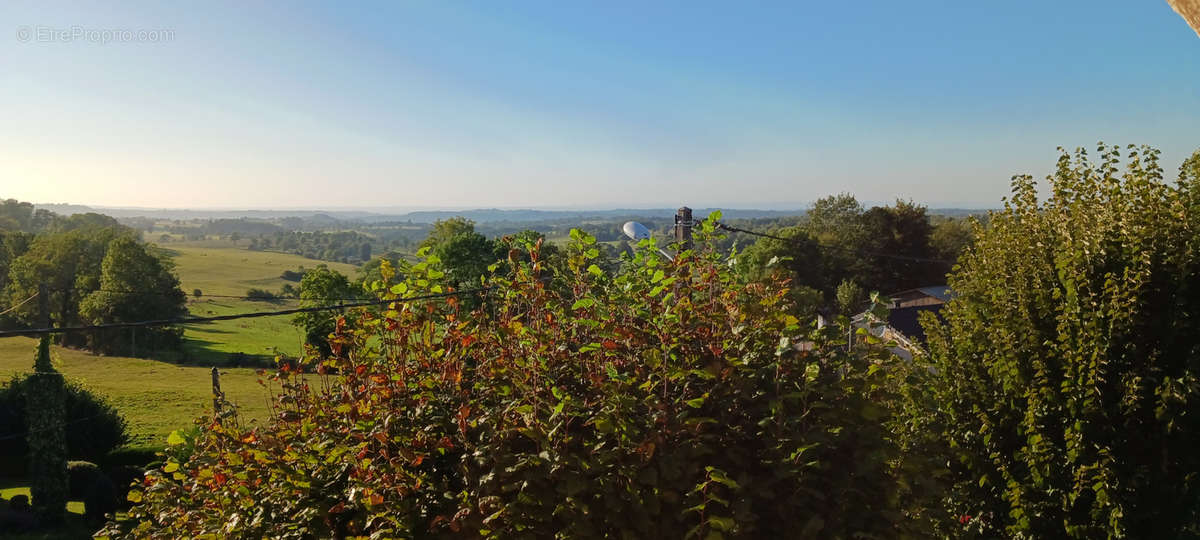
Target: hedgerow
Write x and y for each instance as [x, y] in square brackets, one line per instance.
[674, 399]
[1062, 390]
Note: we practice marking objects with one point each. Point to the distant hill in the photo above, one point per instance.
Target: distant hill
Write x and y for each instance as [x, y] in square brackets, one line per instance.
[497, 215]
[186, 214]
[482, 215]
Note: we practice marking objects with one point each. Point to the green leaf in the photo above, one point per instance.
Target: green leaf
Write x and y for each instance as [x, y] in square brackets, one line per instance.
[175, 438]
[811, 372]
[719, 476]
[721, 524]
[583, 303]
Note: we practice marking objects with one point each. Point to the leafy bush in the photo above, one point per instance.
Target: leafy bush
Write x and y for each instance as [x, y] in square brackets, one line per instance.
[95, 427]
[1064, 386]
[90, 485]
[667, 401]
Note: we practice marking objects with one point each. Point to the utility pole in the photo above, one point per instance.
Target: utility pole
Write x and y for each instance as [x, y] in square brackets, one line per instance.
[683, 227]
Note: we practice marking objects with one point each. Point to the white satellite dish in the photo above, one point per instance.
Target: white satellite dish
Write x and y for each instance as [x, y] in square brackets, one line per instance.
[635, 231]
[638, 232]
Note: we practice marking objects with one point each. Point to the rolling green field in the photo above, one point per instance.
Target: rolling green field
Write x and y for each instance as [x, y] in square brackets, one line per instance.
[217, 270]
[158, 397]
[155, 397]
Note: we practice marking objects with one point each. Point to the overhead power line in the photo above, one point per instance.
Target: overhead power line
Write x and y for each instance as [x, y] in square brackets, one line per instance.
[256, 314]
[205, 295]
[849, 250]
[18, 304]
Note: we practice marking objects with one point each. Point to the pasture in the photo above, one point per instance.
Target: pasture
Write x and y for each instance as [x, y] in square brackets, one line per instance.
[155, 397]
[231, 271]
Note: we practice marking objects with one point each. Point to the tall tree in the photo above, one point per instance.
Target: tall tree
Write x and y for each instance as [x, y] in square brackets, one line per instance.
[445, 229]
[69, 264]
[322, 287]
[840, 242]
[904, 230]
[13, 244]
[466, 257]
[135, 285]
[22, 216]
[950, 237]
[464, 253]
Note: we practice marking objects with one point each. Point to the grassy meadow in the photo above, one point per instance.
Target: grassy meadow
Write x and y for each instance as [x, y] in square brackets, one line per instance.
[224, 269]
[155, 397]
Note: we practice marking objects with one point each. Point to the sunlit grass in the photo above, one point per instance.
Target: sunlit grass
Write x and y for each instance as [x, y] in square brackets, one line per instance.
[155, 397]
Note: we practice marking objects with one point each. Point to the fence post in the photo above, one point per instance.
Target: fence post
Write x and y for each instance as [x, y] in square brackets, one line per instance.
[683, 227]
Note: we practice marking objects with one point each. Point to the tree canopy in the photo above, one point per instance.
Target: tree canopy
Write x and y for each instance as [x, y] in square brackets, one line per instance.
[322, 286]
[135, 285]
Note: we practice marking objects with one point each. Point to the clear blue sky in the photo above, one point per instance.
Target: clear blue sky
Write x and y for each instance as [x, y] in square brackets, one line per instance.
[586, 104]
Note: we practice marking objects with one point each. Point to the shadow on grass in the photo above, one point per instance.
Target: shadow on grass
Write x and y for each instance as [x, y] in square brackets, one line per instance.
[202, 352]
